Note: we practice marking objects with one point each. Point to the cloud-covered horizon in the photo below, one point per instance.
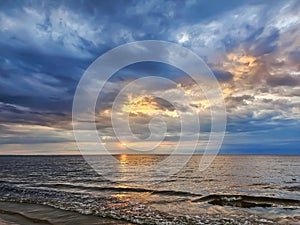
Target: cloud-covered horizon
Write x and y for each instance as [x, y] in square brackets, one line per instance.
[252, 47]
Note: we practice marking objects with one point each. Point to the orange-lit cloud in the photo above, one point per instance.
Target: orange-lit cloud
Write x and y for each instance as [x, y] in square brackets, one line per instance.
[148, 105]
[240, 65]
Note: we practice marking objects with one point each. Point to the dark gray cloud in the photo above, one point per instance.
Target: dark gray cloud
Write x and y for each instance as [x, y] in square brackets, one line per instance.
[12, 114]
[295, 56]
[233, 102]
[222, 76]
[287, 80]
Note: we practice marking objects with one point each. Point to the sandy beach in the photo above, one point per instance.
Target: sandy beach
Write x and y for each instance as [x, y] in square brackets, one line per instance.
[27, 214]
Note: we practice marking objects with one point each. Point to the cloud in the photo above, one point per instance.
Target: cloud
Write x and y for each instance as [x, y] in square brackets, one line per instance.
[266, 45]
[222, 76]
[15, 114]
[33, 134]
[287, 80]
[252, 47]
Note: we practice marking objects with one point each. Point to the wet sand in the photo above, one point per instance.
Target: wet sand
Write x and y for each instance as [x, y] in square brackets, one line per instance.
[27, 214]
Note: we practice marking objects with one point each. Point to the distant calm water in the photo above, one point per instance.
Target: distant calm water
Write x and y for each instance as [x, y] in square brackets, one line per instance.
[235, 189]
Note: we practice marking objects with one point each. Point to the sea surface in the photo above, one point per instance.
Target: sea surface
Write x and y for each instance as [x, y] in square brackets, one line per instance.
[235, 189]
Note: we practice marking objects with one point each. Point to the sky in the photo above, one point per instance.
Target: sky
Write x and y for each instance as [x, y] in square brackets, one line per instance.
[252, 47]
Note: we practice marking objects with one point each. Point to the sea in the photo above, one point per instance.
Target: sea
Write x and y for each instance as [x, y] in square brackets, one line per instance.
[234, 189]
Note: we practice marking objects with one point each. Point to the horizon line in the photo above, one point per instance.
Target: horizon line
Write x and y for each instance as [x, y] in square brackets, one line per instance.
[264, 154]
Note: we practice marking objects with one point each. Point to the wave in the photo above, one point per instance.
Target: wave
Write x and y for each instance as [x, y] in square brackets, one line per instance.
[112, 207]
[246, 201]
[84, 203]
[292, 188]
[118, 189]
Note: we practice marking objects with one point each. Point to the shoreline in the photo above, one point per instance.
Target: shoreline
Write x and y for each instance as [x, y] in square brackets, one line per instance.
[26, 214]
